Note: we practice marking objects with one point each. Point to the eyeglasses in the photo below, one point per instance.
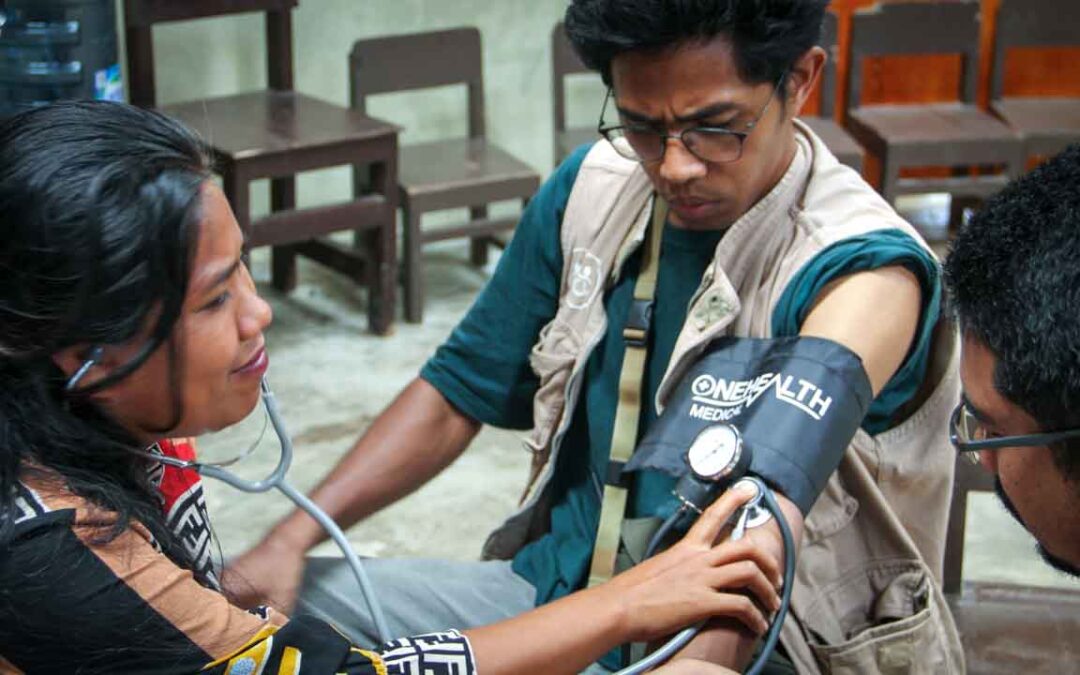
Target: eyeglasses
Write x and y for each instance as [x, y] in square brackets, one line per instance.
[646, 144]
[969, 434]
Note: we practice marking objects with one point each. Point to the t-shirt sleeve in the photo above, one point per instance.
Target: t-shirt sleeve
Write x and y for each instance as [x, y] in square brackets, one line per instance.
[483, 368]
[871, 251]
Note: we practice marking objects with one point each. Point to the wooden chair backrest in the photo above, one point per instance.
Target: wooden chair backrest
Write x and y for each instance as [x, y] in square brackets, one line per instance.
[420, 61]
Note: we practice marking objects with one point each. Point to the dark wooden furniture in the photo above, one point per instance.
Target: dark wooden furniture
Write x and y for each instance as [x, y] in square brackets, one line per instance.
[947, 134]
[277, 133]
[465, 172]
[838, 140]
[565, 62]
[1006, 628]
[969, 478]
[1046, 125]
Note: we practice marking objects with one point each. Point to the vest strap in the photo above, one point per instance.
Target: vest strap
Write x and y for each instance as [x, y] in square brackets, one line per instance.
[628, 413]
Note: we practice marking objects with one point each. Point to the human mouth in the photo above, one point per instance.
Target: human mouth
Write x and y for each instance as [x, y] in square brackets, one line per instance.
[256, 366]
[692, 209]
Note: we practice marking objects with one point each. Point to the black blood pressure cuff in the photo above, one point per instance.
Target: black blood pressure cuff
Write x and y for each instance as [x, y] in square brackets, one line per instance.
[796, 401]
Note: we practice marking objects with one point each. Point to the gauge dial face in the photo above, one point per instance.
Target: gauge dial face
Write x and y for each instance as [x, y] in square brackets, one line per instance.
[715, 451]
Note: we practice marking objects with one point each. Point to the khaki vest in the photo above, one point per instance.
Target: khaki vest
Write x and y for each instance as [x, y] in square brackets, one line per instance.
[866, 598]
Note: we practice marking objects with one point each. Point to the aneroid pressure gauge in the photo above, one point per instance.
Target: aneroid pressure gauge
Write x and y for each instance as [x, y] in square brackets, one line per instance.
[717, 457]
[717, 453]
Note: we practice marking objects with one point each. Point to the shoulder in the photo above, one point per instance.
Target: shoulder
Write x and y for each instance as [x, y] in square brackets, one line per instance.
[42, 499]
[552, 196]
[874, 313]
[837, 203]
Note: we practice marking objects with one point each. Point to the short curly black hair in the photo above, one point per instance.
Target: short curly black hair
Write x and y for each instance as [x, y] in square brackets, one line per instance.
[767, 36]
[1014, 275]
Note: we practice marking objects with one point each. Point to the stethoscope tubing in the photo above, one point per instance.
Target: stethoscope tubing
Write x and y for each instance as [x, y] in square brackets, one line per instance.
[277, 480]
[772, 637]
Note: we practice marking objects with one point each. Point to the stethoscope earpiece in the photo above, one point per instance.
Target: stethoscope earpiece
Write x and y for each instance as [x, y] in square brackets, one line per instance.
[93, 357]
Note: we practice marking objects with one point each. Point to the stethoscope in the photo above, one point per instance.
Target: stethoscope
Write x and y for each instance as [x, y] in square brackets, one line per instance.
[275, 480]
[717, 459]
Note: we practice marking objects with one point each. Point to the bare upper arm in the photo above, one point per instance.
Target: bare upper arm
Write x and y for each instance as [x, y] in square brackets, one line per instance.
[874, 314]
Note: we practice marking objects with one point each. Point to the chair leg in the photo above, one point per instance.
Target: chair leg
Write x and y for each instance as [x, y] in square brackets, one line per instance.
[237, 190]
[412, 267]
[1018, 166]
[890, 177]
[478, 246]
[380, 275]
[952, 573]
[958, 206]
[283, 258]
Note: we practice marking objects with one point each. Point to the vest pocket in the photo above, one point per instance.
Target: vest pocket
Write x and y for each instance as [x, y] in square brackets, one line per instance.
[891, 623]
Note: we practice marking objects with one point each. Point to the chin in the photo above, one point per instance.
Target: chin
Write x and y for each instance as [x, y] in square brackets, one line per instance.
[245, 409]
[236, 411]
[1072, 568]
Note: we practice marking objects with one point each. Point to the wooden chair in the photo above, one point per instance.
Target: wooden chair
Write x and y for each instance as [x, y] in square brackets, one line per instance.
[838, 140]
[951, 134]
[565, 62]
[275, 134]
[1045, 124]
[466, 172]
[1005, 628]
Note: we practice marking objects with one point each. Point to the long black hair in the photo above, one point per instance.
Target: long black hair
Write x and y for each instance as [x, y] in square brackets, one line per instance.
[99, 212]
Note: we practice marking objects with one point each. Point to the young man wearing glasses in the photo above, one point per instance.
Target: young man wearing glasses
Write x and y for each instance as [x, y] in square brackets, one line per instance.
[1014, 276]
[766, 235]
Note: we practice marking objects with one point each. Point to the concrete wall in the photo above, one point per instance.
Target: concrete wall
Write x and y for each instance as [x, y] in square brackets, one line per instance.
[226, 55]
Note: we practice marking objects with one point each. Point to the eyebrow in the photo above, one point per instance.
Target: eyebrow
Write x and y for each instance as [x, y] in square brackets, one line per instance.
[695, 116]
[220, 277]
[976, 412]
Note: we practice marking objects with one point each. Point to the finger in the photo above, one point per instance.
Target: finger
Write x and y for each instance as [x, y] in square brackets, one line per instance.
[747, 576]
[740, 608]
[708, 526]
[732, 551]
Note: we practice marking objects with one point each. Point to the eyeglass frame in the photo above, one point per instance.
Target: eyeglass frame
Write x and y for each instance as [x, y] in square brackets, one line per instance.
[665, 136]
[1001, 442]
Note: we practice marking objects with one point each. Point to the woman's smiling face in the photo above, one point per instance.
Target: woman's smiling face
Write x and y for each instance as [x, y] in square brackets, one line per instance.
[218, 341]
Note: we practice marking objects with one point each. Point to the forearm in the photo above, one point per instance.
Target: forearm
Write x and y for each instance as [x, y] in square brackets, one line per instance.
[410, 442]
[728, 642]
[561, 637]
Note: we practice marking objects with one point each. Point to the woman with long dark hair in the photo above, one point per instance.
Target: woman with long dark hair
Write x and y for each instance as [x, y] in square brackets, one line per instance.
[127, 319]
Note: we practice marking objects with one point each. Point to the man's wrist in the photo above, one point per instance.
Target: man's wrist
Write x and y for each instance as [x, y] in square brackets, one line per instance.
[298, 533]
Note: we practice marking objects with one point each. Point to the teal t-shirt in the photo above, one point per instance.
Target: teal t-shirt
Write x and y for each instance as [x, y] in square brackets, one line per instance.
[483, 368]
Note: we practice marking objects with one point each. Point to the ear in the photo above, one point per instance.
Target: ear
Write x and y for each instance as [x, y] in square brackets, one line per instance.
[70, 359]
[803, 77]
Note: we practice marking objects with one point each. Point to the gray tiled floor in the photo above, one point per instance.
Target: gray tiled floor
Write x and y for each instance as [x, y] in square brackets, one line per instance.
[332, 378]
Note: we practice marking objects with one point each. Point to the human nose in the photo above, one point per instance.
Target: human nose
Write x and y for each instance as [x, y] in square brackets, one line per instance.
[679, 165]
[255, 313]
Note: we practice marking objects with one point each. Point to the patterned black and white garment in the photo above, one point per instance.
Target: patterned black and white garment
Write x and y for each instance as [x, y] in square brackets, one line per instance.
[75, 601]
[434, 654]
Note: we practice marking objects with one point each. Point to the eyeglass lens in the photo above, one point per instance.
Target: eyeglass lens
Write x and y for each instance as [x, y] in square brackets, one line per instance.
[969, 426]
[648, 145]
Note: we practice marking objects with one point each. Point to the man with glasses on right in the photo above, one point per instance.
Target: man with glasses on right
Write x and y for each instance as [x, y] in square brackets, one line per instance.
[1014, 273]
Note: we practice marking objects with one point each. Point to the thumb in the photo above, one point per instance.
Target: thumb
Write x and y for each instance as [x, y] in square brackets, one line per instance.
[707, 528]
